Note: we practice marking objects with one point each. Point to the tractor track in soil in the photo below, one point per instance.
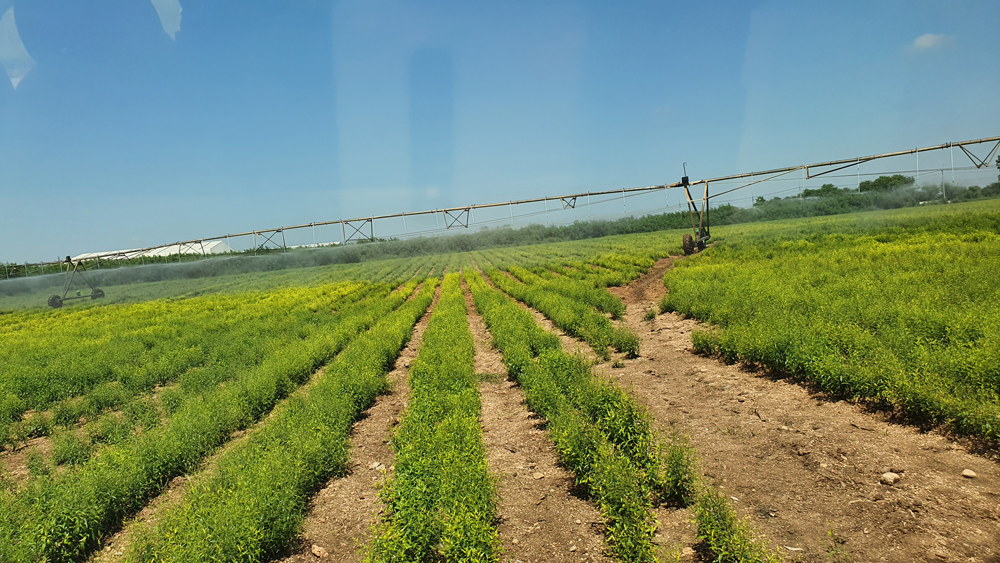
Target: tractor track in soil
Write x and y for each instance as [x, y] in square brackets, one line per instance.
[340, 516]
[803, 466]
[541, 517]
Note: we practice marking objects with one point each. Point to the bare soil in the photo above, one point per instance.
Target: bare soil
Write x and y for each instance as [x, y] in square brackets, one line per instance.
[15, 461]
[541, 517]
[341, 515]
[804, 467]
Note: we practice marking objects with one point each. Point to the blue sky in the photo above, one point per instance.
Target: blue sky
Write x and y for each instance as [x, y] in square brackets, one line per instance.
[261, 114]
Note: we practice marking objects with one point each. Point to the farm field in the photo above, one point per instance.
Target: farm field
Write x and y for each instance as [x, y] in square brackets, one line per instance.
[737, 405]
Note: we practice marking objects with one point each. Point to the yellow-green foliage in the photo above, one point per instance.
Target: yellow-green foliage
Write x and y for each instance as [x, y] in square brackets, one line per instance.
[902, 308]
[581, 290]
[249, 506]
[63, 518]
[575, 317]
[729, 539]
[107, 355]
[601, 435]
[440, 502]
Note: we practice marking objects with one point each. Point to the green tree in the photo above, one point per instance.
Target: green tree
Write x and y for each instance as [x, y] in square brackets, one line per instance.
[886, 183]
[826, 190]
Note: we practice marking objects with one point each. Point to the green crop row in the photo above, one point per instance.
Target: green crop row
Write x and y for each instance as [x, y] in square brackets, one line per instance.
[577, 319]
[601, 435]
[64, 517]
[241, 341]
[581, 272]
[728, 539]
[441, 501]
[582, 291]
[902, 309]
[249, 506]
[116, 353]
[598, 276]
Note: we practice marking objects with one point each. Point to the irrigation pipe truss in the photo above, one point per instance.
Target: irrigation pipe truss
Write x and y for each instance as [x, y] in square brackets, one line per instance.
[362, 228]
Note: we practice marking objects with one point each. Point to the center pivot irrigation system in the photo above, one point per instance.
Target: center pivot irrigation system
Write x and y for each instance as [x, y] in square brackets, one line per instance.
[72, 269]
[362, 229]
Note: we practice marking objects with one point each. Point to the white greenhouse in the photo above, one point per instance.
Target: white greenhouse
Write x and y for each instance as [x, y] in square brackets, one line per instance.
[202, 248]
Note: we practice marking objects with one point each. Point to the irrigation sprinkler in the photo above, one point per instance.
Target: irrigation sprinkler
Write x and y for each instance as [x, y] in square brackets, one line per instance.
[364, 227]
[72, 269]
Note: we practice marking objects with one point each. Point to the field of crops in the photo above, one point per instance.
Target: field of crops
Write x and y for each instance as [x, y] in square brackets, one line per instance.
[248, 385]
[903, 309]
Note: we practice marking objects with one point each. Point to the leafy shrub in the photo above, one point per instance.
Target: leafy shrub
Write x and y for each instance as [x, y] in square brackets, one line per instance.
[105, 396]
[38, 465]
[728, 538]
[37, 424]
[69, 411]
[679, 472]
[69, 448]
[11, 408]
[110, 428]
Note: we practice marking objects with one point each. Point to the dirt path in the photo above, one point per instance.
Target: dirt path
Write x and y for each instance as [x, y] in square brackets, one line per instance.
[341, 515]
[540, 518]
[804, 467]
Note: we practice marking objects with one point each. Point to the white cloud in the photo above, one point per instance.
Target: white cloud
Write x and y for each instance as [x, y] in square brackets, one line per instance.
[13, 56]
[170, 15]
[929, 41]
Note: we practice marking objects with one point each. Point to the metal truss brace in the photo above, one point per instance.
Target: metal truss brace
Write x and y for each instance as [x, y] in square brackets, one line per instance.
[270, 239]
[358, 227]
[978, 161]
[568, 202]
[457, 219]
[184, 246]
[859, 162]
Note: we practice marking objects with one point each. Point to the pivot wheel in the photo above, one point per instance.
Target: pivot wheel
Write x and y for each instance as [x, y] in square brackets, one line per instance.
[55, 301]
[688, 245]
[97, 293]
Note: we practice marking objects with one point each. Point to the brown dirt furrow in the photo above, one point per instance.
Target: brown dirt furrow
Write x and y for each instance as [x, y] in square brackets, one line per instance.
[341, 515]
[15, 462]
[116, 547]
[569, 343]
[541, 519]
[805, 467]
[648, 289]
